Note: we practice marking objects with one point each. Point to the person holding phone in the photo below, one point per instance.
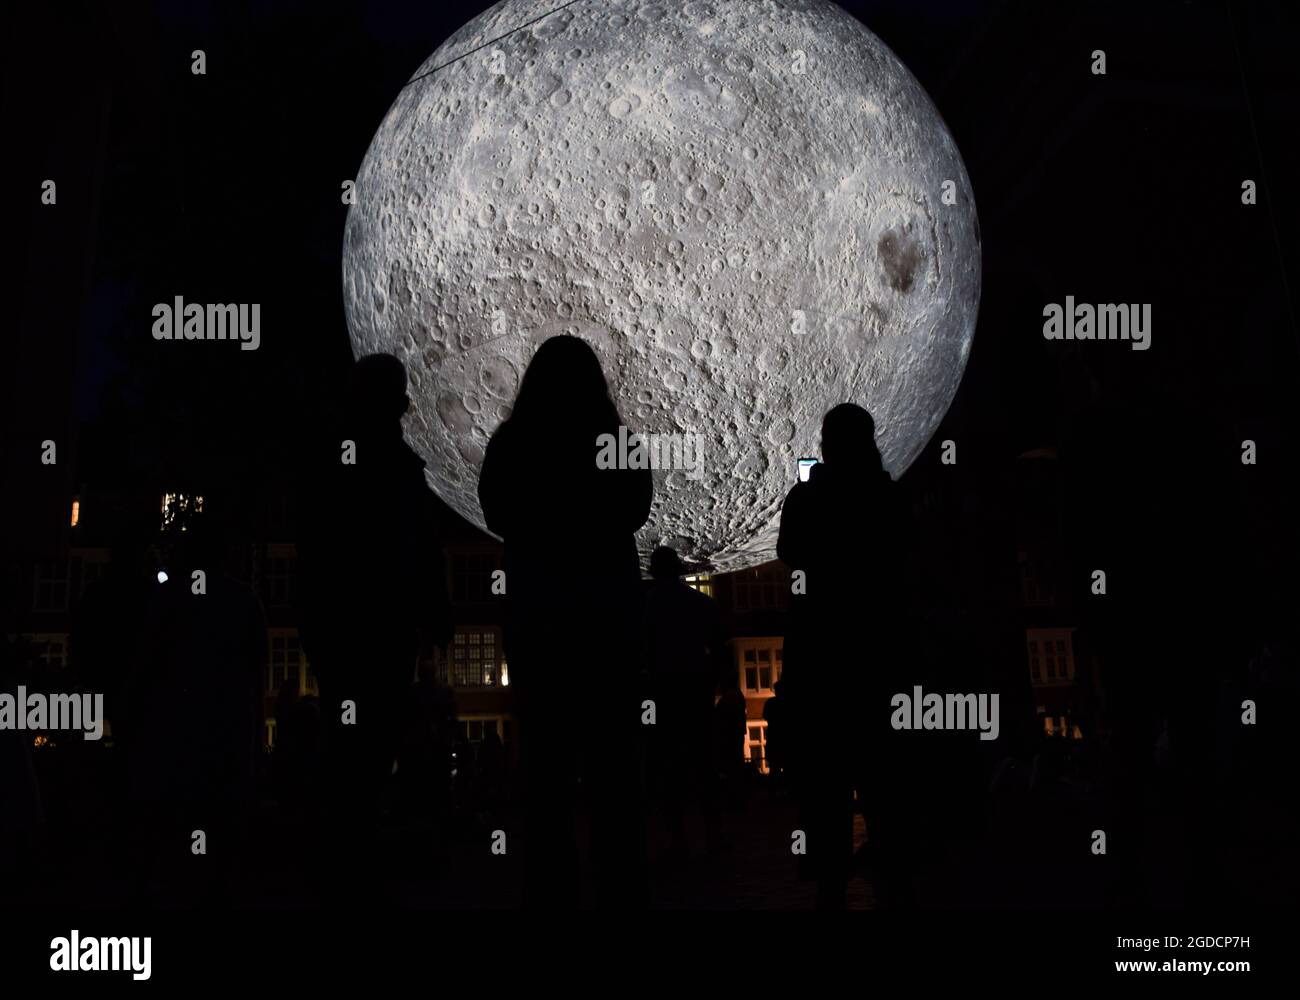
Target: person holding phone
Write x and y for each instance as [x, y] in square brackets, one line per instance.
[841, 528]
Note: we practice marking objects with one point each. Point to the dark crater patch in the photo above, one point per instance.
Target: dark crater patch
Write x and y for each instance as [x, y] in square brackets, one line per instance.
[900, 256]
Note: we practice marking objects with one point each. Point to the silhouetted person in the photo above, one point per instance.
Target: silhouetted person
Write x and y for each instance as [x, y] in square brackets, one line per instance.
[687, 654]
[107, 630]
[196, 708]
[574, 598]
[842, 528]
[374, 594]
[108, 621]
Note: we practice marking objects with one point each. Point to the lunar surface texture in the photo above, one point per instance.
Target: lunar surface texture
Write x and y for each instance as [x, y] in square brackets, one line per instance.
[749, 208]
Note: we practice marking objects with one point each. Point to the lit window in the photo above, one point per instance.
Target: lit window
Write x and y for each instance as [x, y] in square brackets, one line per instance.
[701, 582]
[76, 512]
[473, 661]
[178, 508]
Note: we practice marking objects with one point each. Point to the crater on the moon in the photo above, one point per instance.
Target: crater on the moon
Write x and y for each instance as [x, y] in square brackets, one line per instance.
[739, 205]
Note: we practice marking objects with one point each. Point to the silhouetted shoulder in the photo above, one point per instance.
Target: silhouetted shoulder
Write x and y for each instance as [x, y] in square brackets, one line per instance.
[702, 604]
[494, 493]
[792, 538]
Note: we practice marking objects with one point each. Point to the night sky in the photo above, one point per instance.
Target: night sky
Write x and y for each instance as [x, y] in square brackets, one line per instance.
[226, 187]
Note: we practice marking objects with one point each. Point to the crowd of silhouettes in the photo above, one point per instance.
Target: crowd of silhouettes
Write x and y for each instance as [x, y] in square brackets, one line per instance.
[590, 647]
[372, 568]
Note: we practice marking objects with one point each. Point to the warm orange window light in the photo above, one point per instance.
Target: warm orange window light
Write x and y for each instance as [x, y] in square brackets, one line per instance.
[76, 512]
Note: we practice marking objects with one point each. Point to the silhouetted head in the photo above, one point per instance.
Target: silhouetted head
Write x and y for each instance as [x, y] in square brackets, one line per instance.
[378, 390]
[665, 564]
[849, 438]
[564, 382]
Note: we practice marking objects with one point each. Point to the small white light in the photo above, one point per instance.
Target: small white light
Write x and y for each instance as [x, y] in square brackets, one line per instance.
[162, 576]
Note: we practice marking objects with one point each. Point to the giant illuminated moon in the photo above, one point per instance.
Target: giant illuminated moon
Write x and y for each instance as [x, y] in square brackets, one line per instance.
[751, 210]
